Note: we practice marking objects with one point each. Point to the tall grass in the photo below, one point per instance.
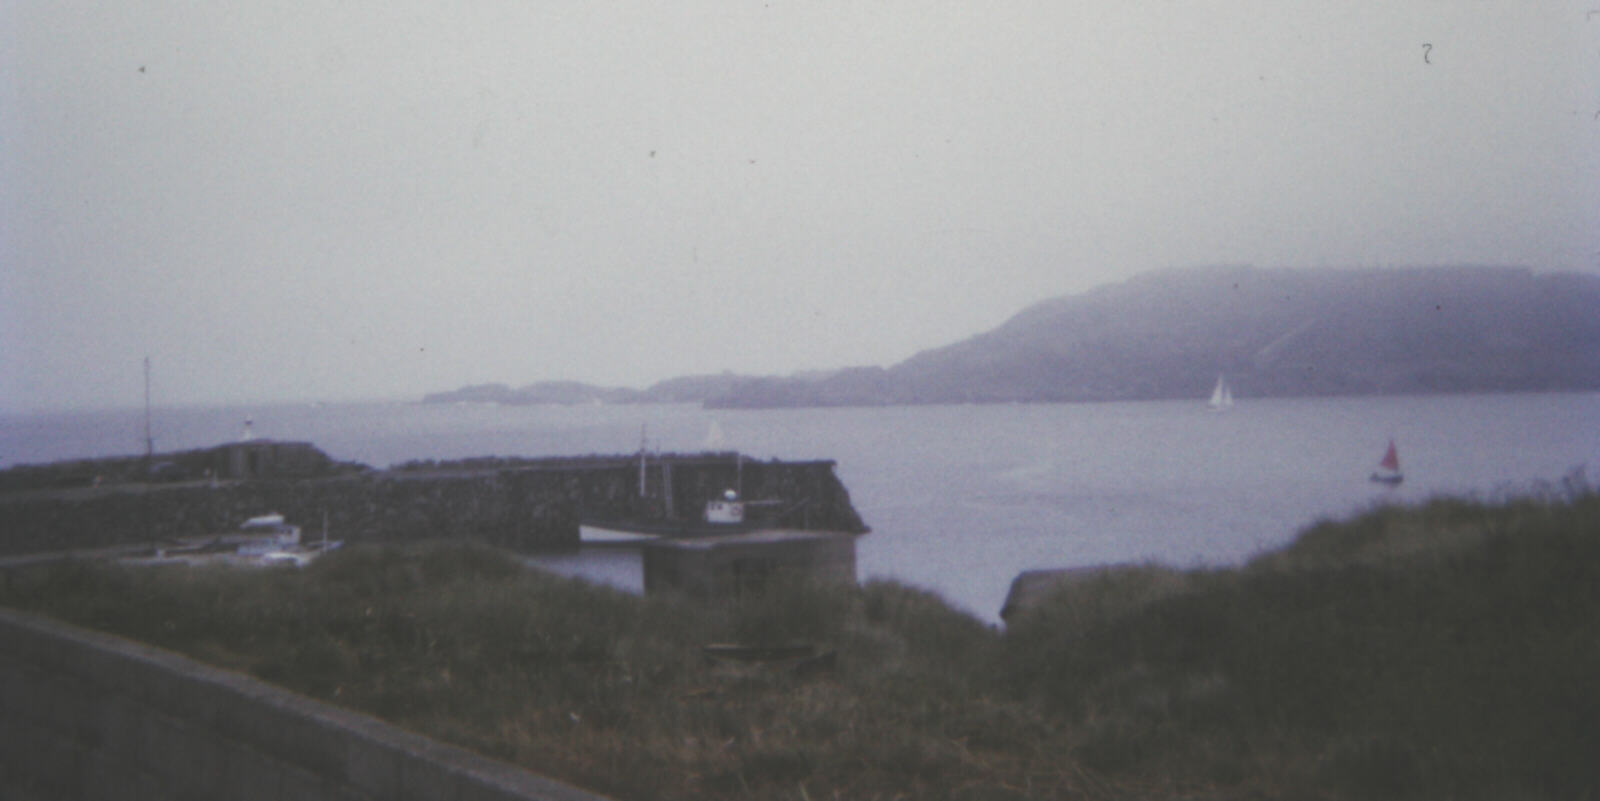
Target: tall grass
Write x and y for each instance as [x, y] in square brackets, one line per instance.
[1444, 651]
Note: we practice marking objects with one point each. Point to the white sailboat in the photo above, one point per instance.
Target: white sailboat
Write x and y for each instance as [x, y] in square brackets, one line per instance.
[1221, 396]
[715, 439]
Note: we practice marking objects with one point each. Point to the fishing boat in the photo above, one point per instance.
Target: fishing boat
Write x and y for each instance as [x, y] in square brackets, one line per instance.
[263, 541]
[727, 514]
[1221, 396]
[1388, 472]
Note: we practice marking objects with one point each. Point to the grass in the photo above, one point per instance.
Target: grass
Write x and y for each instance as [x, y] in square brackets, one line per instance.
[1448, 650]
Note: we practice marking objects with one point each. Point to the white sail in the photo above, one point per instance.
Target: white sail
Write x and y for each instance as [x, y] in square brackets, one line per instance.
[715, 440]
[1221, 396]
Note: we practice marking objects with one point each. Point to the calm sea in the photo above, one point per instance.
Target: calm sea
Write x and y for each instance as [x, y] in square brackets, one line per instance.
[962, 498]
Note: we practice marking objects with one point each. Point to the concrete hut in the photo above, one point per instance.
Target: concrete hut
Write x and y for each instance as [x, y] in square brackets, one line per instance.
[265, 458]
[731, 565]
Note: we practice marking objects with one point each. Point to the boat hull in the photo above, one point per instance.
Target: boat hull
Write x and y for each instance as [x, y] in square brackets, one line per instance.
[669, 528]
[1387, 479]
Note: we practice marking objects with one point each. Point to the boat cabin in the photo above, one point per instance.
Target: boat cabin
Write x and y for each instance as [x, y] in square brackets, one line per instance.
[267, 534]
[727, 510]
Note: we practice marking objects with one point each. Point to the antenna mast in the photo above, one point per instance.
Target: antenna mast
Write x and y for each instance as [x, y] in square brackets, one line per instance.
[149, 442]
[643, 444]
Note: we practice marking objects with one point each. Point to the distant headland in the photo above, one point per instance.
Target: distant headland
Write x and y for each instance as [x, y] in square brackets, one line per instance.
[1170, 334]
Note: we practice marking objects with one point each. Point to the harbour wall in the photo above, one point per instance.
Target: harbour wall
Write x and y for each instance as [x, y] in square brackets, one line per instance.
[521, 510]
[85, 715]
[804, 495]
[521, 504]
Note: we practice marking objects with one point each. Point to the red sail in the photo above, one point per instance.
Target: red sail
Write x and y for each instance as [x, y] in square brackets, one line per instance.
[1391, 460]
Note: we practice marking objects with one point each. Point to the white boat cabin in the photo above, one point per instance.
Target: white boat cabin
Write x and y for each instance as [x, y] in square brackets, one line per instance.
[271, 532]
[727, 510]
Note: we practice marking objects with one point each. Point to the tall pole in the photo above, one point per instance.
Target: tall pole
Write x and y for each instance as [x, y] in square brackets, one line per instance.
[149, 454]
[149, 441]
[643, 443]
[666, 485]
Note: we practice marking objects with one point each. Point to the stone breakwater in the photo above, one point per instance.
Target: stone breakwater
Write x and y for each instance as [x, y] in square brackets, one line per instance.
[521, 504]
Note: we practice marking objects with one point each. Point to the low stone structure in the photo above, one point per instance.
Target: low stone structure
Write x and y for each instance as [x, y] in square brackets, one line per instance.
[1128, 586]
[254, 459]
[520, 504]
[518, 510]
[730, 565]
[1032, 587]
[265, 458]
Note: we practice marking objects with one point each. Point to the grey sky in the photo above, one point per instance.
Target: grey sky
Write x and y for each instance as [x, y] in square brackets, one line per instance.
[330, 200]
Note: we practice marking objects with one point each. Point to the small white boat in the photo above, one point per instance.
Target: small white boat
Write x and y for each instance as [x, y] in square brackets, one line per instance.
[270, 533]
[263, 541]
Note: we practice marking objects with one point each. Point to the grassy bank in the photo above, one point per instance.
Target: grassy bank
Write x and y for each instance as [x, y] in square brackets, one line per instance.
[1445, 651]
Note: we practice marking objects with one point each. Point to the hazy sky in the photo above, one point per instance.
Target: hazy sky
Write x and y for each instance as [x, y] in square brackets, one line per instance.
[328, 200]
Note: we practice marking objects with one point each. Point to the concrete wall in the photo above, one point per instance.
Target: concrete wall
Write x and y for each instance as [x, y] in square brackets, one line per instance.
[85, 715]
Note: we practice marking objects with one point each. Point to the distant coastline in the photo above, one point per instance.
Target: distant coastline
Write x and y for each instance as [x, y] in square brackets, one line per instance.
[1169, 335]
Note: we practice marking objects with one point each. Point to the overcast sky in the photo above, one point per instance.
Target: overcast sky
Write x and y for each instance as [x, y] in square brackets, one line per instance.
[380, 198]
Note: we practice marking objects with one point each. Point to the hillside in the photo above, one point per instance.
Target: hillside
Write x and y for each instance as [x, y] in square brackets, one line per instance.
[683, 389]
[1274, 332]
[1446, 651]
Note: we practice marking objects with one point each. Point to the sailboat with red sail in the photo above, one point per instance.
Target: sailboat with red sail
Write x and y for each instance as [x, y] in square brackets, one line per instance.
[1388, 472]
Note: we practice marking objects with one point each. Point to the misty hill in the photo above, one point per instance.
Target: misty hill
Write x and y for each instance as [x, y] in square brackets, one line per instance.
[1273, 332]
[564, 392]
[684, 389]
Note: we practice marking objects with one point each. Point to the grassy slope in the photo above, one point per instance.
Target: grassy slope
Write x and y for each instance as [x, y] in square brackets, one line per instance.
[1451, 650]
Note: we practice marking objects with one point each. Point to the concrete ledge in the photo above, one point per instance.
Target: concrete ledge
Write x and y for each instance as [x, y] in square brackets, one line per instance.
[86, 714]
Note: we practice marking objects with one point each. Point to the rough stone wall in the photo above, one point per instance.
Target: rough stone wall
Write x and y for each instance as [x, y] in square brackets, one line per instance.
[90, 716]
[292, 460]
[522, 505]
[519, 511]
[805, 495]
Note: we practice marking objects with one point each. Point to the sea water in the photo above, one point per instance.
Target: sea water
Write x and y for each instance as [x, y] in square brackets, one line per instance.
[963, 497]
